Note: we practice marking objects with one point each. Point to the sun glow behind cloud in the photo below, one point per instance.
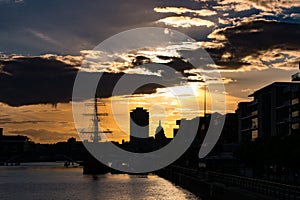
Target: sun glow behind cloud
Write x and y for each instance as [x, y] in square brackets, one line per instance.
[182, 10]
[185, 22]
[167, 104]
[244, 71]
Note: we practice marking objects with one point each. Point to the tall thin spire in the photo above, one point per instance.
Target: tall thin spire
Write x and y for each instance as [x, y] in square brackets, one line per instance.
[95, 121]
[205, 100]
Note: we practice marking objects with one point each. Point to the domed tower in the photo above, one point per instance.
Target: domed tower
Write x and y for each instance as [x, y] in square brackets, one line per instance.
[160, 133]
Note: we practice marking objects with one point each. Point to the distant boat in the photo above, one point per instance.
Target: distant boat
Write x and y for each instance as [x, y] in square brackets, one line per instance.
[72, 164]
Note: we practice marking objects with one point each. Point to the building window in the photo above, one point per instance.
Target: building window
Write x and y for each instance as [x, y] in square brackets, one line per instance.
[295, 101]
[295, 126]
[254, 113]
[295, 114]
[254, 134]
[255, 123]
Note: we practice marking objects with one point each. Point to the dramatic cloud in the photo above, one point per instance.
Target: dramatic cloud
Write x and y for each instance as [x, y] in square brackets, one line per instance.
[41, 27]
[181, 10]
[274, 58]
[34, 80]
[259, 44]
[264, 5]
[67, 27]
[53, 38]
[186, 22]
[49, 79]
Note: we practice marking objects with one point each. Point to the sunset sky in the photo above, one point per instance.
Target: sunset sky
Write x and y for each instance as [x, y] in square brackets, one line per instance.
[44, 43]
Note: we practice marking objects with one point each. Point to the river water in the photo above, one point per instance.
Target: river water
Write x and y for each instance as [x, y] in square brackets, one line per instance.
[53, 181]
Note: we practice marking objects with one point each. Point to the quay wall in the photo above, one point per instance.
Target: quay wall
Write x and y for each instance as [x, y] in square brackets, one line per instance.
[208, 190]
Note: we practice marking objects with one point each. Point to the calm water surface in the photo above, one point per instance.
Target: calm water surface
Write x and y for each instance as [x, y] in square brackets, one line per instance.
[53, 181]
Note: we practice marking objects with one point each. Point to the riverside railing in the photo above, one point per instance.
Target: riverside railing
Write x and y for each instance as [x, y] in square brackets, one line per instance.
[267, 188]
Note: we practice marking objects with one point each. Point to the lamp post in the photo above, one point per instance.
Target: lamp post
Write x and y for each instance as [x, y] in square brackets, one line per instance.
[204, 100]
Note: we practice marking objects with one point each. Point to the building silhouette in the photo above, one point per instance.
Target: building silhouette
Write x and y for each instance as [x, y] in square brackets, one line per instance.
[226, 144]
[12, 146]
[175, 130]
[139, 125]
[160, 133]
[296, 77]
[229, 133]
[274, 111]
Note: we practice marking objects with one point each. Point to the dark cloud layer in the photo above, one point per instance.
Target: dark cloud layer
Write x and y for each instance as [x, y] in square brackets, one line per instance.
[68, 26]
[251, 38]
[25, 81]
[39, 80]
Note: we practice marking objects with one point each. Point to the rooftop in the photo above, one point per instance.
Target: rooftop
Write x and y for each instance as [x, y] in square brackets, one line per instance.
[275, 84]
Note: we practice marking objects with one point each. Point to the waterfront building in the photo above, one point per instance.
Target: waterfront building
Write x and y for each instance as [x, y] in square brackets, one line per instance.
[274, 111]
[12, 145]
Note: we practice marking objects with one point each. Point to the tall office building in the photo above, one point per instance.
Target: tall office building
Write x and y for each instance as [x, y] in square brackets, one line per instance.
[139, 125]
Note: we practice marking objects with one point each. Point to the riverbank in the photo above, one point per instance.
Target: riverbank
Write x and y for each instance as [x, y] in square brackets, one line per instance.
[205, 189]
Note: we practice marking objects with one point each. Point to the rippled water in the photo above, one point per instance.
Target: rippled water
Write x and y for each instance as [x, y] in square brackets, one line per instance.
[37, 181]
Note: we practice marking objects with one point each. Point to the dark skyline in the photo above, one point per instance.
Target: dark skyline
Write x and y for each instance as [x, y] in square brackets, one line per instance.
[44, 43]
[150, 99]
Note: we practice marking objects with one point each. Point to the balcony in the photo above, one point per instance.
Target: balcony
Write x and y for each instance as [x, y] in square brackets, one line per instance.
[247, 116]
[295, 101]
[284, 104]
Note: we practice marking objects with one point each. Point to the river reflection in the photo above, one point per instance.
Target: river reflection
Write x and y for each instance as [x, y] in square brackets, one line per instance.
[53, 181]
